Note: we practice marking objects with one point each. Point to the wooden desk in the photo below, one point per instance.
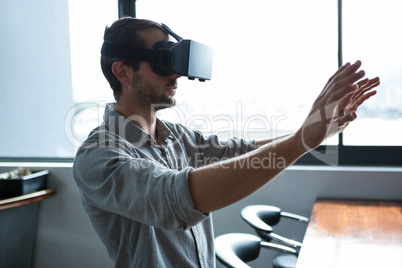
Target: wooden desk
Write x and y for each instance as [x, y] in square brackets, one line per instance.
[353, 234]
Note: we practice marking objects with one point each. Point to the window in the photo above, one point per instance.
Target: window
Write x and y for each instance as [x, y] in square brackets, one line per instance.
[368, 34]
[271, 59]
[379, 45]
[47, 50]
[91, 91]
[270, 62]
[35, 79]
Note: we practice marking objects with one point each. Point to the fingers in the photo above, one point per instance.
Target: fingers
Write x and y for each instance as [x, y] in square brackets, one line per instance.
[336, 74]
[350, 69]
[363, 83]
[343, 92]
[352, 102]
[343, 82]
[366, 85]
[346, 69]
[365, 90]
[339, 71]
[351, 79]
[365, 97]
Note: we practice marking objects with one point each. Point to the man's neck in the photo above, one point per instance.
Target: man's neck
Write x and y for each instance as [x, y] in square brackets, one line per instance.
[143, 118]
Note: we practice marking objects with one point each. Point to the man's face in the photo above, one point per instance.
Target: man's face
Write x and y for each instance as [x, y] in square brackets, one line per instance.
[153, 90]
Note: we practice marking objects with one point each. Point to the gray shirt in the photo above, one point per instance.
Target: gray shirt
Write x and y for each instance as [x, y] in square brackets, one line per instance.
[136, 193]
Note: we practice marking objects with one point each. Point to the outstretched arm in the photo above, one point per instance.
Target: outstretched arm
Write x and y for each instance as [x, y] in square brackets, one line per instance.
[215, 186]
[262, 142]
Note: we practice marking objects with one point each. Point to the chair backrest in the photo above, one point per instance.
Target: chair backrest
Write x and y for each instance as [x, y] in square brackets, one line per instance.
[269, 214]
[235, 249]
[261, 216]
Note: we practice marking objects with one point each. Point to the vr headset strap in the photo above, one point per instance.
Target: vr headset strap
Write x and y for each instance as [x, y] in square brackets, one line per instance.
[129, 53]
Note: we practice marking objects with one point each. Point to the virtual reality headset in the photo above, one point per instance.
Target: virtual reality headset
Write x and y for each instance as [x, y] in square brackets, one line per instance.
[184, 57]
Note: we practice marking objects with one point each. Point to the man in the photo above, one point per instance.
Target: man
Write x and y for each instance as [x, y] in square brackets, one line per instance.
[140, 179]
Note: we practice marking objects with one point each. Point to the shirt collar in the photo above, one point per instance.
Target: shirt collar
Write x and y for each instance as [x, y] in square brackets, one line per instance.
[122, 126]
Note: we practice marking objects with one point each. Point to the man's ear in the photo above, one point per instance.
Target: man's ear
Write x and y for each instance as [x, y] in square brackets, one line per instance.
[121, 71]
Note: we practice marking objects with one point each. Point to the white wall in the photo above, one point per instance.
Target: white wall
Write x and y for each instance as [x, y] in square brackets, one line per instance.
[65, 237]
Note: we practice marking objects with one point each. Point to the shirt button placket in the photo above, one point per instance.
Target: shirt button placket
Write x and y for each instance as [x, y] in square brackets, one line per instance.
[168, 158]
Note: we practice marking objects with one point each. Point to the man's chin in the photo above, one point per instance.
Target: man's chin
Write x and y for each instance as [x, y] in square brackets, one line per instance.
[164, 105]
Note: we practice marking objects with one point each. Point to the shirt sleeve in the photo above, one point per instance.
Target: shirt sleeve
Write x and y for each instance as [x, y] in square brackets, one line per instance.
[111, 179]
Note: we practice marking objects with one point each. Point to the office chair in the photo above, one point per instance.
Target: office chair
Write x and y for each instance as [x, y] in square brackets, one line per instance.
[263, 217]
[236, 249]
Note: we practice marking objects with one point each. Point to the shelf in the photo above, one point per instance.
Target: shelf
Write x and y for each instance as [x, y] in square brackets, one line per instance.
[26, 199]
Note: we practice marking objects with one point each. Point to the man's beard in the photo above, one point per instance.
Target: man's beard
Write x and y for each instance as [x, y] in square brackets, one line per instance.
[147, 94]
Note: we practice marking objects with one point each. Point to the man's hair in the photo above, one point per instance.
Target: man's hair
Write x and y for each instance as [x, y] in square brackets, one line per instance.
[123, 32]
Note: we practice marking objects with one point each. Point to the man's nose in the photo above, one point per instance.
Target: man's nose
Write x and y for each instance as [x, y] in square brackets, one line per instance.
[174, 75]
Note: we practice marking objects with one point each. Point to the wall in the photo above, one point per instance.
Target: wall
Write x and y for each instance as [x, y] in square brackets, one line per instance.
[65, 237]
